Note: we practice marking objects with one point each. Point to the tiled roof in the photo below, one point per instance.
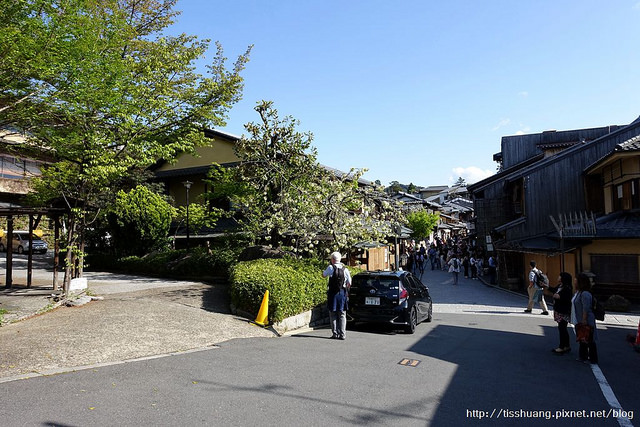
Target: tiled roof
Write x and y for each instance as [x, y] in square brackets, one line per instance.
[632, 144]
[623, 224]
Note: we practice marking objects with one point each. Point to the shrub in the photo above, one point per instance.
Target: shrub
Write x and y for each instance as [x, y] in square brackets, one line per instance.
[294, 286]
[140, 221]
[173, 263]
[617, 303]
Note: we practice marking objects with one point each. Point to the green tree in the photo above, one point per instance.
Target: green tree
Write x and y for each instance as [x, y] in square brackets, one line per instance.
[394, 187]
[141, 220]
[422, 223]
[460, 182]
[412, 188]
[99, 86]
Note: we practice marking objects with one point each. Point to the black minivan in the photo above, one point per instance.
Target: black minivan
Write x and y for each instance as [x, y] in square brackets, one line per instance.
[392, 297]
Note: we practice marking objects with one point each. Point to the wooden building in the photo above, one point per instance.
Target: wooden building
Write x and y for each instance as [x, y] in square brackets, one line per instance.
[550, 202]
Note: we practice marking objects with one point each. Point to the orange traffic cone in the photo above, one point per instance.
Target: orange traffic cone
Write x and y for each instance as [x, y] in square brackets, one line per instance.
[263, 313]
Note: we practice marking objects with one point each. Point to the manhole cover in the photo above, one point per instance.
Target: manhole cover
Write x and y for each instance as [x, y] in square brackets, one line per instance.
[409, 362]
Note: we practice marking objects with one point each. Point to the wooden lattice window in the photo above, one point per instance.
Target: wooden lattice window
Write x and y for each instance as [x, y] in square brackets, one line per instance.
[615, 268]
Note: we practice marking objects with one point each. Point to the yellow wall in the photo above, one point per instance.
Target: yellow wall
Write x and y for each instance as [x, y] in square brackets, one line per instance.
[178, 191]
[220, 152]
[610, 247]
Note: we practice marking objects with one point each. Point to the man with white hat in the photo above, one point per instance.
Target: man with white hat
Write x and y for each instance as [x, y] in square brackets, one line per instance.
[337, 295]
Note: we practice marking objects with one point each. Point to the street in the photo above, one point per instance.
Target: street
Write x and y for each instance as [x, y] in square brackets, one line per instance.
[482, 361]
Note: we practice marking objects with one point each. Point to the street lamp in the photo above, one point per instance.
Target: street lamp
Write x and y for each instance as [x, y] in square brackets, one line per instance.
[187, 185]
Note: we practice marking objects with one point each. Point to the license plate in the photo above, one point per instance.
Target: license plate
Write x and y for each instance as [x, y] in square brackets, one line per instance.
[372, 300]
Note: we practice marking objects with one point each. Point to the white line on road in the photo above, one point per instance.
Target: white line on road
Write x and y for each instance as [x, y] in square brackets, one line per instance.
[610, 396]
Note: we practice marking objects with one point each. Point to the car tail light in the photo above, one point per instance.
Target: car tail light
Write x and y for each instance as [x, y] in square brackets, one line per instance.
[404, 295]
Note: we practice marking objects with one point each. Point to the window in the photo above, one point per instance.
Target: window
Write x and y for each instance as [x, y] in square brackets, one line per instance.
[594, 193]
[615, 268]
[626, 195]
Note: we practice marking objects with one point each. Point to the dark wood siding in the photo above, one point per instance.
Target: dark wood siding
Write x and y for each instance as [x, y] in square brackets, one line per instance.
[555, 185]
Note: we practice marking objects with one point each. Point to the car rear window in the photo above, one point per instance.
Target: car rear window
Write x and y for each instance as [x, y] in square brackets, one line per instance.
[380, 283]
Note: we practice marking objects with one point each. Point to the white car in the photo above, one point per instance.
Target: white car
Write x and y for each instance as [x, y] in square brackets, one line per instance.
[21, 243]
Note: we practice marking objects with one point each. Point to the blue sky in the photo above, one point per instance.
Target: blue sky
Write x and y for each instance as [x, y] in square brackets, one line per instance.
[422, 91]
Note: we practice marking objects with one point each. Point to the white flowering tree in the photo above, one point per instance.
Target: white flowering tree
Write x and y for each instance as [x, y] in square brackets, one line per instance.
[288, 200]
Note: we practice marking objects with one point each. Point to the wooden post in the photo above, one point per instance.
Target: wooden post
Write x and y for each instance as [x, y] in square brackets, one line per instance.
[56, 251]
[9, 282]
[30, 253]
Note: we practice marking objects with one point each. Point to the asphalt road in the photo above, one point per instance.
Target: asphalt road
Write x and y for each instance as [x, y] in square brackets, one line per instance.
[481, 361]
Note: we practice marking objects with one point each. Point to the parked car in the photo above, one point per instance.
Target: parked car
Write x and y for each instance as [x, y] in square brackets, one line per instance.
[392, 297]
[21, 243]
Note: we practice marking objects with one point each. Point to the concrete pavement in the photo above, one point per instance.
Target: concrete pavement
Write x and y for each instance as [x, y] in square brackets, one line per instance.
[142, 317]
[470, 296]
[138, 317]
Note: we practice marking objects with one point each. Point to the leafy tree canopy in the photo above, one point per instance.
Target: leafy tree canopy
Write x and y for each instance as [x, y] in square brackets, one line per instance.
[142, 219]
[422, 223]
[96, 84]
[460, 182]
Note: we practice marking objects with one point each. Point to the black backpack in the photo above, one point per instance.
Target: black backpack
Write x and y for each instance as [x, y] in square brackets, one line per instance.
[336, 281]
[541, 279]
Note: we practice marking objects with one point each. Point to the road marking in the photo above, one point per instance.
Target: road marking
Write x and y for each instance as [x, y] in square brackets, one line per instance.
[609, 395]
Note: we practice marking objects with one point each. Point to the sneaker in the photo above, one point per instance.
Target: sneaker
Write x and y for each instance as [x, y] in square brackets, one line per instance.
[342, 337]
[334, 337]
[527, 311]
[544, 313]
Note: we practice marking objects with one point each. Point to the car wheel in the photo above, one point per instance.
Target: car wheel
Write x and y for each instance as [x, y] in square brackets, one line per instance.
[413, 322]
[20, 249]
[430, 315]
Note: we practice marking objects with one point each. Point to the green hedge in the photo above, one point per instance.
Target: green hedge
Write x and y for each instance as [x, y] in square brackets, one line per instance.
[175, 263]
[295, 286]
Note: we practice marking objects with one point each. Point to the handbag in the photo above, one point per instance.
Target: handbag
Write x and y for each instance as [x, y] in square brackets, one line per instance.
[583, 333]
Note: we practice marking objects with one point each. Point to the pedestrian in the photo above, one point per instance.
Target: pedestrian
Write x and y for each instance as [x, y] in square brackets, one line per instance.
[584, 320]
[432, 256]
[465, 265]
[454, 268]
[337, 295]
[473, 266]
[422, 251]
[562, 295]
[419, 263]
[492, 270]
[535, 291]
[404, 259]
